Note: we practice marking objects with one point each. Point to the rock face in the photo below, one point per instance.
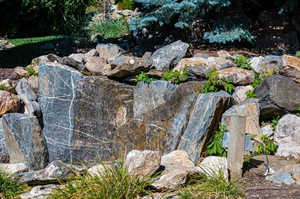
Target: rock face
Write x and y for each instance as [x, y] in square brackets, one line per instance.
[177, 167]
[24, 140]
[149, 96]
[9, 103]
[278, 94]
[238, 76]
[291, 67]
[204, 116]
[250, 109]
[169, 55]
[53, 173]
[142, 163]
[287, 135]
[82, 113]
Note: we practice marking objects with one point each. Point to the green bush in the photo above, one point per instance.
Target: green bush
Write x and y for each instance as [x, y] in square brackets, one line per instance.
[144, 77]
[213, 84]
[112, 28]
[215, 145]
[174, 76]
[268, 146]
[242, 62]
[126, 4]
[113, 182]
[250, 94]
[9, 188]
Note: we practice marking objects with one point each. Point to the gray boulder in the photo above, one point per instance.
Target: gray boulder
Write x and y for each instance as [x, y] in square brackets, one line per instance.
[4, 157]
[278, 94]
[267, 64]
[168, 56]
[204, 116]
[81, 114]
[24, 140]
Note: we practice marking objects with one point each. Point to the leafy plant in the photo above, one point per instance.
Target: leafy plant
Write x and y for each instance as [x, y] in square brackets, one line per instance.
[126, 4]
[215, 145]
[9, 188]
[259, 78]
[213, 84]
[30, 71]
[298, 54]
[210, 187]
[4, 87]
[174, 76]
[268, 147]
[242, 62]
[144, 77]
[111, 28]
[114, 182]
[250, 94]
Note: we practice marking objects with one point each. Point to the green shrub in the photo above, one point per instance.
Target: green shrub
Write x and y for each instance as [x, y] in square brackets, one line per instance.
[250, 94]
[113, 183]
[259, 78]
[298, 54]
[242, 62]
[112, 28]
[213, 84]
[126, 4]
[144, 77]
[215, 145]
[4, 87]
[9, 188]
[174, 76]
[30, 71]
[268, 147]
[205, 187]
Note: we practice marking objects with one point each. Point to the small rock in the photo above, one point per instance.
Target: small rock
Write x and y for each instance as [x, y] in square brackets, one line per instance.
[287, 135]
[267, 130]
[168, 56]
[79, 57]
[21, 71]
[214, 166]
[223, 54]
[14, 168]
[284, 178]
[108, 51]
[39, 192]
[9, 73]
[293, 169]
[9, 102]
[97, 170]
[97, 65]
[72, 63]
[291, 67]
[240, 93]
[53, 173]
[267, 64]
[33, 81]
[237, 75]
[177, 166]
[142, 163]
[24, 140]
[25, 92]
[91, 53]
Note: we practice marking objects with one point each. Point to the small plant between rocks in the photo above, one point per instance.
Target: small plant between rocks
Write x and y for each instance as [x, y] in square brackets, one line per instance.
[213, 84]
[4, 87]
[9, 188]
[298, 54]
[30, 71]
[175, 76]
[268, 147]
[114, 182]
[144, 77]
[215, 145]
[242, 62]
[250, 94]
[211, 187]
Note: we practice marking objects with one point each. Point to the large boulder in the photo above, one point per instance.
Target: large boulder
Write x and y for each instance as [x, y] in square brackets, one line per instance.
[203, 119]
[240, 93]
[142, 163]
[169, 55]
[237, 76]
[81, 114]
[291, 67]
[9, 103]
[267, 64]
[278, 94]
[287, 135]
[24, 140]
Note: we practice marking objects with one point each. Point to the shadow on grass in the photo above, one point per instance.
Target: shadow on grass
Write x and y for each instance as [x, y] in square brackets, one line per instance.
[23, 54]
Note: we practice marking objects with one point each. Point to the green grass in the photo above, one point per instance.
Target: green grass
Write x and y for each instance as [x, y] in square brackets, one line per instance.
[9, 188]
[33, 40]
[109, 28]
[205, 187]
[113, 183]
